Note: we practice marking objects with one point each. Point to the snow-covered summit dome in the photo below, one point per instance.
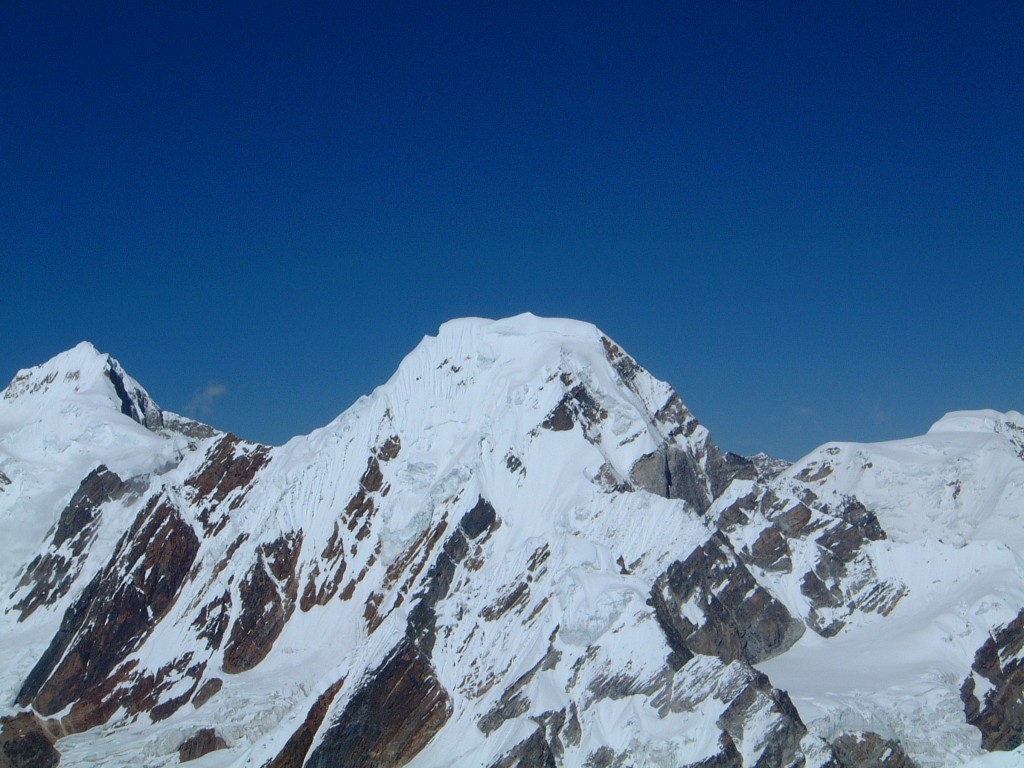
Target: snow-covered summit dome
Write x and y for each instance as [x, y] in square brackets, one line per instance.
[84, 376]
[476, 374]
[986, 420]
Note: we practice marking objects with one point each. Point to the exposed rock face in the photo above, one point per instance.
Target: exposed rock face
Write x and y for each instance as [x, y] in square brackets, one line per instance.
[114, 614]
[710, 604]
[26, 743]
[768, 467]
[294, 752]
[229, 466]
[674, 474]
[514, 702]
[268, 598]
[532, 752]
[771, 551]
[687, 465]
[842, 578]
[152, 691]
[422, 625]
[576, 406]
[760, 702]
[727, 757]
[100, 486]
[390, 718]
[203, 742]
[135, 402]
[868, 750]
[226, 475]
[695, 474]
[50, 575]
[999, 668]
[208, 690]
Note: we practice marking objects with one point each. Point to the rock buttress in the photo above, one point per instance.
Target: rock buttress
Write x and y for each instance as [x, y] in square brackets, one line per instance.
[112, 617]
[1000, 715]
[390, 719]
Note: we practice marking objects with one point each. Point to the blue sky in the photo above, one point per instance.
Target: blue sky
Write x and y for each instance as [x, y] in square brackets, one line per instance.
[808, 217]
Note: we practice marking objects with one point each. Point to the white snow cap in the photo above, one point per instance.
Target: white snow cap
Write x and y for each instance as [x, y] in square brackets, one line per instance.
[977, 421]
[81, 375]
[525, 324]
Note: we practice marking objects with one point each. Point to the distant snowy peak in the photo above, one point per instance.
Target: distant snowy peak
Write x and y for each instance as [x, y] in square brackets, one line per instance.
[963, 480]
[83, 375]
[59, 422]
[769, 467]
[980, 421]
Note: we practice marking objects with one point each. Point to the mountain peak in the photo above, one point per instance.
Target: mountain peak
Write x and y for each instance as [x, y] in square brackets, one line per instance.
[476, 372]
[514, 350]
[86, 375]
[509, 339]
[987, 421]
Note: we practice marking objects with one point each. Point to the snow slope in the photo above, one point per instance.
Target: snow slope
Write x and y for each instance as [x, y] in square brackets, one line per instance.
[952, 503]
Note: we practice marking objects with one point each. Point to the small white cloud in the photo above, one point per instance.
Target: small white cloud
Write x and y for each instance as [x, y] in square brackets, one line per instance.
[804, 410]
[878, 414]
[202, 401]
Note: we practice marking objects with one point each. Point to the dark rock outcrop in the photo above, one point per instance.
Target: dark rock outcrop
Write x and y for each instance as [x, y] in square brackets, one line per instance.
[135, 403]
[771, 551]
[533, 752]
[673, 473]
[148, 689]
[576, 406]
[52, 573]
[727, 757]
[208, 690]
[1000, 715]
[99, 486]
[388, 721]
[759, 701]
[26, 743]
[421, 627]
[230, 467]
[868, 750]
[112, 617]
[294, 752]
[203, 742]
[268, 597]
[740, 619]
[696, 475]
[842, 579]
[513, 701]
[480, 518]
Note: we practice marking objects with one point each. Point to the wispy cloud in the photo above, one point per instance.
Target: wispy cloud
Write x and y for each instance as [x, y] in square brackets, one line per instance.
[878, 415]
[203, 400]
[804, 410]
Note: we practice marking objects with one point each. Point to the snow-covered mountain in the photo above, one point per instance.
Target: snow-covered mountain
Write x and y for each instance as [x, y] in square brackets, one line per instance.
[520, 550]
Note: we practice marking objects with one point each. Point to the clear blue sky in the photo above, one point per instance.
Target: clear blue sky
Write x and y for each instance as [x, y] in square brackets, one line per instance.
[808, 217]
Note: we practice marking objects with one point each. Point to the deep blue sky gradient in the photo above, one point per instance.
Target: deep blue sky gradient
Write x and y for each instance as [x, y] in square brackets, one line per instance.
[808, 217]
